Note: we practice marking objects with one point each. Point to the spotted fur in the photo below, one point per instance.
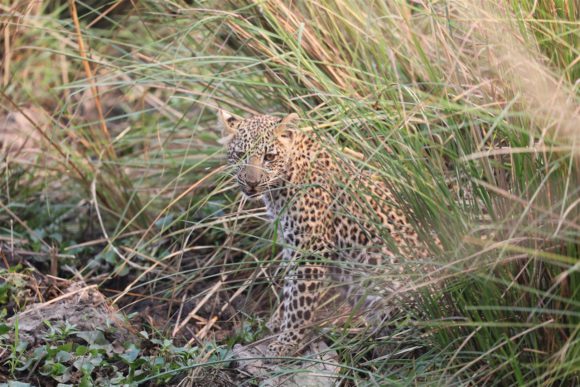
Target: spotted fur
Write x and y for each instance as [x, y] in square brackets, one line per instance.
[323, 214]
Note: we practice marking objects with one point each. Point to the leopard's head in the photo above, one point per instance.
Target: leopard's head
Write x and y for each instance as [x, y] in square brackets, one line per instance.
[258, 148]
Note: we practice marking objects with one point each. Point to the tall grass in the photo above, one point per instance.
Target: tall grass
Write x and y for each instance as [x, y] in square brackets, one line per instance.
[468, 109]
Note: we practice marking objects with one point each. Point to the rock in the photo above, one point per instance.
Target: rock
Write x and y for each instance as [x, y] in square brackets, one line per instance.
[316, 367]
[82, 306]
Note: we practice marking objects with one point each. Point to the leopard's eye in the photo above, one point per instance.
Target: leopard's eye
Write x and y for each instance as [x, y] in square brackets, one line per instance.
[239, 155]
[269, 157]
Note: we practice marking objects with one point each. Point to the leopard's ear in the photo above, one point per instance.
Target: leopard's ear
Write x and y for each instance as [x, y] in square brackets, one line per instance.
[285, 129]
[226, 122]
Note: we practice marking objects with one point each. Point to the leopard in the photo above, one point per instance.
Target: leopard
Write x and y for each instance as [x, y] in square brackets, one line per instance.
[327, 209]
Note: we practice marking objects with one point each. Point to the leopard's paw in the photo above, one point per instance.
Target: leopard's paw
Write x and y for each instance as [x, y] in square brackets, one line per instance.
[273, 324]
[278, 349]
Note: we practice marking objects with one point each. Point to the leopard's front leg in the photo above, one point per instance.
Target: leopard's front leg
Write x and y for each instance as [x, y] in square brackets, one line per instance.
[274, 324]
[307, 234]
[301, 294]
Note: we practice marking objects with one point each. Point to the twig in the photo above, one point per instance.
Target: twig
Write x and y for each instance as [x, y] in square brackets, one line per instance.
[105, 13]
[89, 75]
[23, 224]
[7, 55]
[59, 298]
[4, 259]
[53, 261]
[201, 335]
[212, 291]
[180, 309]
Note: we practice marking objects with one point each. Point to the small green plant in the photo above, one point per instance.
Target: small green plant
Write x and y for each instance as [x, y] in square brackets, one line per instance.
[89, 358]
[60, 333]
[14, 290]
[252, 328]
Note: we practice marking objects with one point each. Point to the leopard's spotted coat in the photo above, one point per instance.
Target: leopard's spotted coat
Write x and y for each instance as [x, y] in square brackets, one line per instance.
[322, 220]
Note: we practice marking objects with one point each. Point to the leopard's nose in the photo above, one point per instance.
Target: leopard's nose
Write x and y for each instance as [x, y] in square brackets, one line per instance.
[252, 183]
